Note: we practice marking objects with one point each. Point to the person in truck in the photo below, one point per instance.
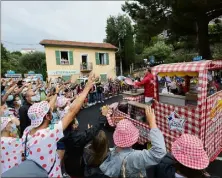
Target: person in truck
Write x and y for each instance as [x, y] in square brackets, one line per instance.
[148, 83]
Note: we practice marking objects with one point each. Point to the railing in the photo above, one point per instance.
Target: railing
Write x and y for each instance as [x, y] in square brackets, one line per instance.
[64, 62]
[86, 66]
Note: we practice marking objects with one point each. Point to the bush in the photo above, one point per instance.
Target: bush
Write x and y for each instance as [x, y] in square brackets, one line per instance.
[159, 50]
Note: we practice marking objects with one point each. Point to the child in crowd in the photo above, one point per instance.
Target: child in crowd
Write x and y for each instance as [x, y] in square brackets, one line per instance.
[99, 93]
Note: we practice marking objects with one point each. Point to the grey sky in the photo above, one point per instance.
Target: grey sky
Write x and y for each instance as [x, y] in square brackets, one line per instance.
[30, 22]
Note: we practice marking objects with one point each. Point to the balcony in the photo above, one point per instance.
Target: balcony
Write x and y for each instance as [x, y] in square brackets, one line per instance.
[64, 62]
[86, 67]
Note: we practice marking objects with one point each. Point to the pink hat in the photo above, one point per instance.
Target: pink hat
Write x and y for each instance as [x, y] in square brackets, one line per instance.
[61, 102]
[129, 81]
[188, 150]
[125, 134]
[37, 112]
[4, 122]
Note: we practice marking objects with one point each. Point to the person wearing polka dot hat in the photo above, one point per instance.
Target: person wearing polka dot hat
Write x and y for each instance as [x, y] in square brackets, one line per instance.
[11, 147]
[41, 137]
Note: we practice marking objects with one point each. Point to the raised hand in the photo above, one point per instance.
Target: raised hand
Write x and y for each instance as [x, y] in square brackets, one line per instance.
[10, 90]
[105, 110]
[150, 117]
[91, 80]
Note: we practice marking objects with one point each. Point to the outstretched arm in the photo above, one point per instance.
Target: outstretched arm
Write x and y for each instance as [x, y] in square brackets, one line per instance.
[77, 103]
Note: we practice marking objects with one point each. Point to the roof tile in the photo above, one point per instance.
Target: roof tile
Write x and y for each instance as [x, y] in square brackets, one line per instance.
[77, 44]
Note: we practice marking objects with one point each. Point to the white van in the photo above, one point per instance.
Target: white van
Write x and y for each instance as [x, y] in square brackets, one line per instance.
[80, 80]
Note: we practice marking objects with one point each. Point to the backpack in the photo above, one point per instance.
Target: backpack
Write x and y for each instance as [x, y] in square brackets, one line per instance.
[27, 168]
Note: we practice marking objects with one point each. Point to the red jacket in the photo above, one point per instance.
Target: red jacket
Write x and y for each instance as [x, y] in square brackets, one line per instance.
[148, 85]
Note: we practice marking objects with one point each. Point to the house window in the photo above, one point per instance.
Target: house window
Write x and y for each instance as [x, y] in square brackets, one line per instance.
[102, 58]
[64, 57]
[84, 58]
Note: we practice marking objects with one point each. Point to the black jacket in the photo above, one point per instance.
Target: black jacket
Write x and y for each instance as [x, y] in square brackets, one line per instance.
[166, 167]
[75, 141]
[23, 117]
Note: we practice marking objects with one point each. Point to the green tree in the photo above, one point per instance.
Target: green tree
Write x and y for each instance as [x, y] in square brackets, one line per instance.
[119, 32]
[4, 60]
[181, 17]
[34, 62]
[159, 50]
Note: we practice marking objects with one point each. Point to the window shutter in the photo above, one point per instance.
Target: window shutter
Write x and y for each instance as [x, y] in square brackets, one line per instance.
[57, 54]
[107, 58]
[66, 78]
[103, 77]
[70, 57]
[97, 59]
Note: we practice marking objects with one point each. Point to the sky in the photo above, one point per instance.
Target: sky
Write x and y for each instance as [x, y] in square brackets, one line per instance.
[24, 24]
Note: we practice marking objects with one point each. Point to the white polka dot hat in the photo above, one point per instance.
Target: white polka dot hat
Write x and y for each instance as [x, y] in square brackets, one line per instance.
[37, 112]
[4, 122]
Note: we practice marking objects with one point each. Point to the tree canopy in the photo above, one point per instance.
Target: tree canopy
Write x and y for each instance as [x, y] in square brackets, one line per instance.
[179, 18]
[22, 63]
[119, 32]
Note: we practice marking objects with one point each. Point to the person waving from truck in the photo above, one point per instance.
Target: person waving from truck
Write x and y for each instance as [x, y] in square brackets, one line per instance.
[148, 83]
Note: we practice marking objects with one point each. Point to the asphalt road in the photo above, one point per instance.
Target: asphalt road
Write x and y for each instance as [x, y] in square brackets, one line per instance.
[91, 114]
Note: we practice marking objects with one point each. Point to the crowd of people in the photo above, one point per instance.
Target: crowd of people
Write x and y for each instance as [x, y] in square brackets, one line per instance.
[40, 136]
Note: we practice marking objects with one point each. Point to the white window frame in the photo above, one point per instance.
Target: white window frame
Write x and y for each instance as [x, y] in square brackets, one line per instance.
[104, 59]
[61, 57]
[87, 57]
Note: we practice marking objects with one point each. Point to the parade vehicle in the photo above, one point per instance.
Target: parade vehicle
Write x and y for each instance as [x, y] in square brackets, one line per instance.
[197, 111]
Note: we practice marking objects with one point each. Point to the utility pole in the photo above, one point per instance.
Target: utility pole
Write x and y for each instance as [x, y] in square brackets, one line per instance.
[121, 63]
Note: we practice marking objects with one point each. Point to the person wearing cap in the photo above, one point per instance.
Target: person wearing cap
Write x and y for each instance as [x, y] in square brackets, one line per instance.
[41, 136]
[148, 84]
[127, 162]
[11, 147]
[62, 106]
[187, 160]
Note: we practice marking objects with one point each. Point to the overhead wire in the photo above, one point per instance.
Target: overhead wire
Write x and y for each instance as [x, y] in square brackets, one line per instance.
[33, 44]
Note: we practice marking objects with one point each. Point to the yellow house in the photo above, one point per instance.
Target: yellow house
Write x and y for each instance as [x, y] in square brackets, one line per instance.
[70, 59]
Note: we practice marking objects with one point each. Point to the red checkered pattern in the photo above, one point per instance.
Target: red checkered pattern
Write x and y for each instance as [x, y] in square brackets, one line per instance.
[139, 98]
[197, 118]
[37, 112]
[125, 134]
[189, 151]
[213, 137]
[187, 66]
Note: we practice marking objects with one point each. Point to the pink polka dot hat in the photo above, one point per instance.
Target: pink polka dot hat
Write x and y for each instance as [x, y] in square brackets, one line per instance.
[61, 102]
[4, 122]
[37, 112]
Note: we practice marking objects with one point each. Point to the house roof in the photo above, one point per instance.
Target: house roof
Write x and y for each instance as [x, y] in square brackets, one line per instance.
[77, 44]
[189, 66]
